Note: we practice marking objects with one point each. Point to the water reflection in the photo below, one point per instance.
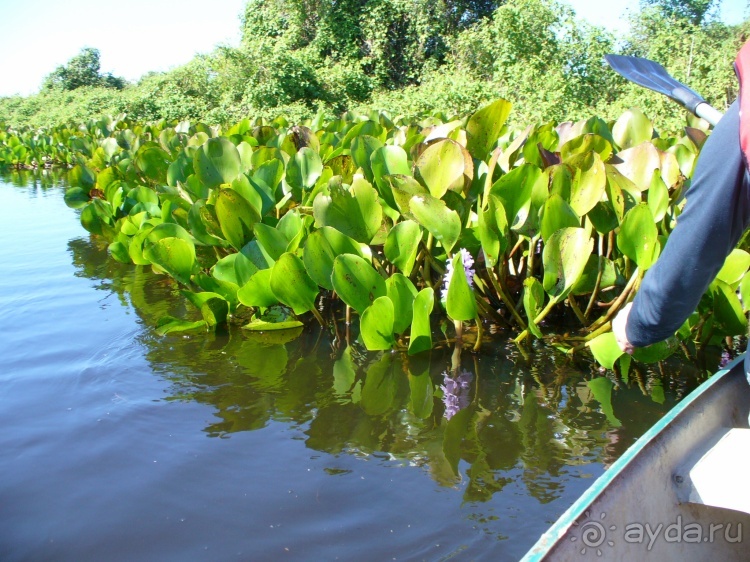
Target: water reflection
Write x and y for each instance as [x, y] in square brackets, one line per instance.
[513, 419]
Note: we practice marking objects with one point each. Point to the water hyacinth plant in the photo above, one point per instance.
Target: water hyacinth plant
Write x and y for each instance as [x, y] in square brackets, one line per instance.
[544, 232]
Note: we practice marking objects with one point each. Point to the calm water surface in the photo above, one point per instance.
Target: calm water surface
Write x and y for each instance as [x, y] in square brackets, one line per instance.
[120, 444]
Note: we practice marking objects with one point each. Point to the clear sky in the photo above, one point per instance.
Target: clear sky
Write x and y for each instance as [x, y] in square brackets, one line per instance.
[138, 36]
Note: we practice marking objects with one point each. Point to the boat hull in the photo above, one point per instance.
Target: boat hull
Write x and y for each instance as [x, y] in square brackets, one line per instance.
[632, 511]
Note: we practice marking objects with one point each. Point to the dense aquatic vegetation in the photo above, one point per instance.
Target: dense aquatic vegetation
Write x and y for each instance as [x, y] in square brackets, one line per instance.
[451, 224]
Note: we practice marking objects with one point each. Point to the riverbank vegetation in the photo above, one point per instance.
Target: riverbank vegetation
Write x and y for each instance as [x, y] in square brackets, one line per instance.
[410, 58]
[271, 211]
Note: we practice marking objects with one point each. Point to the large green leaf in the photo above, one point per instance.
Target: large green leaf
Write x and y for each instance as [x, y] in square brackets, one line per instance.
[355, 211]
[357, 282]
[376, 325]
[533, 302]
[236, 217]
[734, 268]
[557, 214]
[402, 292]
[564, 257]
[440, 166]
[637, 238]
[271, 240]
[589, 181]
[631, 129]
[492, 228]
[437, 218]
[728, 316]
[605, 350]
[217, 161]
[485, 126]
[304, 169]
[421, 394]
[401, 245]
[658, 197]
[257, 291]
[460, 302]
[171, 248]
[321, 250]
[153, 162]
[515, 190]
[292, 285]
[362, 150]
[421, 332]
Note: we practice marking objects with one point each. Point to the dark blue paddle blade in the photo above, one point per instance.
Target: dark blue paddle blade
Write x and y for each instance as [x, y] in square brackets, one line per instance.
[653, 76]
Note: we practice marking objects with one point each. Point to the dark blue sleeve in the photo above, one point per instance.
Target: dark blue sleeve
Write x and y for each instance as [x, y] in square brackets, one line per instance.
[716, 213]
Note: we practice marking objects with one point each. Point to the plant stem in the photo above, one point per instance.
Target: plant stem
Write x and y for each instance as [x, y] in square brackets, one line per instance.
[574, 306]
[599, 276]
[505, 298]
[542, 315]
[621, 300]
[480, 332]
[318, 316]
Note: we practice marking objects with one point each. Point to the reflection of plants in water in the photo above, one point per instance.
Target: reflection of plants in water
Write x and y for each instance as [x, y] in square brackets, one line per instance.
[523, 420]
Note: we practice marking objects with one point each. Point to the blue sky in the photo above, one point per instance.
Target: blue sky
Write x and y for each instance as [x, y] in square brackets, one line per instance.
[138, 36]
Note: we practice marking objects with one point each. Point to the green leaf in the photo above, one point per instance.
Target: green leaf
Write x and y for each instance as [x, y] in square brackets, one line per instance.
[745, 292]
[493, 230]
[321, 250]
[357, 282]
[589, 181]
[584, 144]
[484, 127]
[460, 302]
[735, 268]
[437, 218]
[557, 214]
[421, 332]
[213, 306]
[356, 212]
[152, 162]
[263, 326]
[631, 129]
[362, 149]
[257, 291]
[515, 190]
[304, 169]
[440, 166]
[533, 303]
[587, 281]
[658, 197]
[728, 315]
[402, 244]
[217, 161]
[292, 285]
[171, 248]
[637, 238]
[376, 325]
[271, 240]
[564, 258]
[402, 292]
[656, 352]
[236, 217]
[605, 350]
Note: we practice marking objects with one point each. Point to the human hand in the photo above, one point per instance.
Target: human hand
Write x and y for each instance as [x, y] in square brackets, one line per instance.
[618, 329]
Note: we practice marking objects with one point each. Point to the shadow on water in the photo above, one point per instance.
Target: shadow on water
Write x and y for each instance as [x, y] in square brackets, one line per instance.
[511, 419]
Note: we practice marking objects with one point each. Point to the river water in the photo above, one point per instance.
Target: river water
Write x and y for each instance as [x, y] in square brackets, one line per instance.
[120, 444]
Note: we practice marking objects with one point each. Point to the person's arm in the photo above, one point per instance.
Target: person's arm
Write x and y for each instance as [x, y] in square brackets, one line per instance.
[716, 213]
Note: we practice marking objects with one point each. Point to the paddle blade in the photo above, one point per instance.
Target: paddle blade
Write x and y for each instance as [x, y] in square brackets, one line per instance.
[653, 76]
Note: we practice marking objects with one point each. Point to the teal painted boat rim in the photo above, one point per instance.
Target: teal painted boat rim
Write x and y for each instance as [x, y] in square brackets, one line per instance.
[578, 510]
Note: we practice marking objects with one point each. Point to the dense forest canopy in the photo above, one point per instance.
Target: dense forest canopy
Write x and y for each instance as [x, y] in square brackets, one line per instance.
[411, 58]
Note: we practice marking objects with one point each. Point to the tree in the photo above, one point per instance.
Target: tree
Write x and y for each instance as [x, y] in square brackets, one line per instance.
[694, 12]
[82, 70]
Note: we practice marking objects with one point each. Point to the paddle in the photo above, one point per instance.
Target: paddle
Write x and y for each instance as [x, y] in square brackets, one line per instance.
[653, 76]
